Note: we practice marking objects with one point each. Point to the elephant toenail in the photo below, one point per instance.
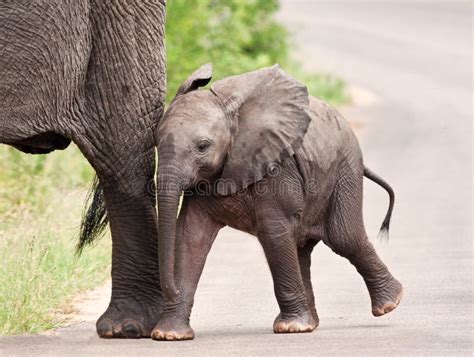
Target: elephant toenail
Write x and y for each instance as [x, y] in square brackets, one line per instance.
[131, 329]
[105, 329]
[293, 328]
[170, 336]
[156, 335]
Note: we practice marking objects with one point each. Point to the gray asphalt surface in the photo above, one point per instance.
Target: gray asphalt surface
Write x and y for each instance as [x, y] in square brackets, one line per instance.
[416, 58]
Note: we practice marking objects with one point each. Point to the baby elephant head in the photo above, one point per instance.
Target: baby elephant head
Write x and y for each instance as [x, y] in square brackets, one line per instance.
[235, 132]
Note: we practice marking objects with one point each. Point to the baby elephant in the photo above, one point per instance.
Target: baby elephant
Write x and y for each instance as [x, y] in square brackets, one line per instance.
[255, 152]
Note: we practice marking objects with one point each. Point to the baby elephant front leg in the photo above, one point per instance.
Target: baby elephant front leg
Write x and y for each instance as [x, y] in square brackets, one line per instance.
[195, 234]
[282, 255]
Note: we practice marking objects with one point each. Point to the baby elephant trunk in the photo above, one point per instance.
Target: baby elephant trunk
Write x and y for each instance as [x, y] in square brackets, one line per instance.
[168, 196]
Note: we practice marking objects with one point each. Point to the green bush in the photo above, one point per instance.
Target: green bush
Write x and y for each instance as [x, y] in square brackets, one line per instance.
[28, 181]
[237, 37]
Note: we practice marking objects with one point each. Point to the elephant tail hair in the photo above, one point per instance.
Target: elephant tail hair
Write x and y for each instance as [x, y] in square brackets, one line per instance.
[94, 217]
[380, 181]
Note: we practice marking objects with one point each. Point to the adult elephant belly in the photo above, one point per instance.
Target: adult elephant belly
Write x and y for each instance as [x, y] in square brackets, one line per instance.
[42, 143]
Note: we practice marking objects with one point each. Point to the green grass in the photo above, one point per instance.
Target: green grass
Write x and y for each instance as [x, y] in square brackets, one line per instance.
[41, 197]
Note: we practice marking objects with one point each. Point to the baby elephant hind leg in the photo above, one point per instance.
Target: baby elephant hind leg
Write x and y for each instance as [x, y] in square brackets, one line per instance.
[347, 237]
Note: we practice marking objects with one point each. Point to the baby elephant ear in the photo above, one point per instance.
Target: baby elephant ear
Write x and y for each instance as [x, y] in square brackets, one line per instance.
[271, 110]
[199, 78]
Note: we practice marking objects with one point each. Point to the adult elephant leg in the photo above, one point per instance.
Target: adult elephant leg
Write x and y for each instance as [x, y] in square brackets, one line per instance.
[124, 95]
[136, 300]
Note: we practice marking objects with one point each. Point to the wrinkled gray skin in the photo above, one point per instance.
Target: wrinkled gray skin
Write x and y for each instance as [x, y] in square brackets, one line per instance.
[282, 166]
[93, 72]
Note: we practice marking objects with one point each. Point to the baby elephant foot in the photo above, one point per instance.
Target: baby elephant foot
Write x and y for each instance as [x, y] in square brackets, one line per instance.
[171, 330]
[386, 297]
[302, 323]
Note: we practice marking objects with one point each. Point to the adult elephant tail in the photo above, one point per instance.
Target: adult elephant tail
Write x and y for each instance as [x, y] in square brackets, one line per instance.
[380, 181]
[94, 218]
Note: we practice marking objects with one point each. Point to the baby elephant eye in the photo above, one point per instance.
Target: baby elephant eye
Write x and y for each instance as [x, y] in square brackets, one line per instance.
[203, 145]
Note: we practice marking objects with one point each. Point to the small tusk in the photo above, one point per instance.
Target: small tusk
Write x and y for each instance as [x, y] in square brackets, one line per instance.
[155, 179]
[181, 197]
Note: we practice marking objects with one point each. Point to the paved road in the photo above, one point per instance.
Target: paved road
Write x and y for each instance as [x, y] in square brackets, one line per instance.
[416, 59]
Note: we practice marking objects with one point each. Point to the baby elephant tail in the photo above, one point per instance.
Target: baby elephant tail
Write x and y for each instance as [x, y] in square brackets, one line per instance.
[378, 180]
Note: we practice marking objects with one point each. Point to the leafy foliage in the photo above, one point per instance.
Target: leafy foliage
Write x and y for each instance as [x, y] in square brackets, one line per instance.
[237, 37]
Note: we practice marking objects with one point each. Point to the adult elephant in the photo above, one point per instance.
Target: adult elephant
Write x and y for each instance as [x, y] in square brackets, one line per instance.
[93, 72]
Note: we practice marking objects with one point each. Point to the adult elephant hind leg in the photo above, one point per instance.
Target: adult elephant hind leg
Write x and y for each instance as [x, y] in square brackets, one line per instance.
[123, 103]
[136, 300]
[347, 237]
